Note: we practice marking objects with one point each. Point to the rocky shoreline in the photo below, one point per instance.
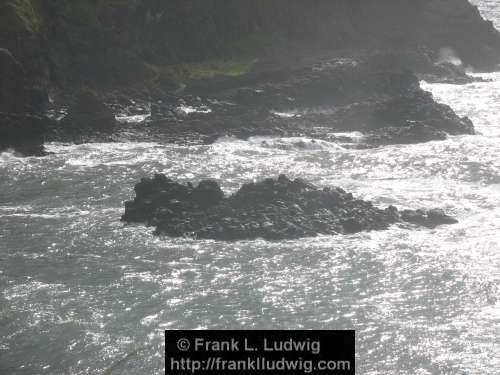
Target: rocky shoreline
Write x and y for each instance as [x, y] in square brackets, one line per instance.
[82, 72]
[273, 209]
[304, 84]
[321, 99]
[316, 101]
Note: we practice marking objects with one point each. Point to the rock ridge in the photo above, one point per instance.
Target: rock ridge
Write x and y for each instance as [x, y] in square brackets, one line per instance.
[273, 209]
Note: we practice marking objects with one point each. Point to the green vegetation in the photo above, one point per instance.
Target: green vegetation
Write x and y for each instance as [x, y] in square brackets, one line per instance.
[214, 68]
[178, 76]
[19, 16]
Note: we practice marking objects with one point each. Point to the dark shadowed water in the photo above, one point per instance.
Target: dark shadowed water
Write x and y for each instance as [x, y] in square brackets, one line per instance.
[79, 290]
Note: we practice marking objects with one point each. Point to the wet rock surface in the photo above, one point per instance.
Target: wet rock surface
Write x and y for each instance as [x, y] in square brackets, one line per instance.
[316, 101]
[334, 95]
[352, 58]
[374, 93]
[272, 209]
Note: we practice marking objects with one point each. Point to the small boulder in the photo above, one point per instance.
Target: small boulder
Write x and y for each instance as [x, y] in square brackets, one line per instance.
[88, 112]
[24, 133]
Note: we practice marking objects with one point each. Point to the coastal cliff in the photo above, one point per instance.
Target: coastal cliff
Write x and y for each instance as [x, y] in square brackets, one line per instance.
[116, 42]
[155, 49]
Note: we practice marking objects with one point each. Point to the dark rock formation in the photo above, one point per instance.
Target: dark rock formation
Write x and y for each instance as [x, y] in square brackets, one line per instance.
[413, 132]
[260, 55]
[23, 79]
[429, 219]
[124, 42]
[111, 41]
[359, 95]
[21, 127]
[23, 71]
[273, 209]
[88, 114]
[23, 133]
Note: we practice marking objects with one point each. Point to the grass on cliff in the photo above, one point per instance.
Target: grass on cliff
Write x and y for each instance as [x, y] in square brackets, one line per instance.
[180, 75]
[238, 57]
[215, 68]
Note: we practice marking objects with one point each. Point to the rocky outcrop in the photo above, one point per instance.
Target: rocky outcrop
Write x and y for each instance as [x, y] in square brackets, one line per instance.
[273, 209]
[456, 28]
[327, 97]
[24, 133]
[260, 56]
[120, 42]
[87, 115]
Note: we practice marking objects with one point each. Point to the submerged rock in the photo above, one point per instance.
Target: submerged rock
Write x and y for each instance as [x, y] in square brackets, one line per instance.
[430, 219]
[271, 209]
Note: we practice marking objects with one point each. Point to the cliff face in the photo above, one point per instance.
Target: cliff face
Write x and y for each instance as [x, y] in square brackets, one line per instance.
[200, 29]
[154, 47]
[67, 43]
[23, 69]
[119, 41]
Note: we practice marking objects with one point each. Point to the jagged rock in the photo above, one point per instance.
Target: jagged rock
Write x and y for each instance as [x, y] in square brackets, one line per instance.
[359, 66]
[207, 194]
[272, 209]
[388, 107]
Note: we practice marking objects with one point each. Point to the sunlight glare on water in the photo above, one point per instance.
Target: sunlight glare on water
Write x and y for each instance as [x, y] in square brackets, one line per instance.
[80, 291]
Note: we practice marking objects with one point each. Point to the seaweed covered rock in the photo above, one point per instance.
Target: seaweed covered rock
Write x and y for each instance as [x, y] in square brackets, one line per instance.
[272, 209]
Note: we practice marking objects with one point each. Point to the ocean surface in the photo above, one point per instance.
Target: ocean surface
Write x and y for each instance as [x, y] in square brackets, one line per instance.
[79, 291]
